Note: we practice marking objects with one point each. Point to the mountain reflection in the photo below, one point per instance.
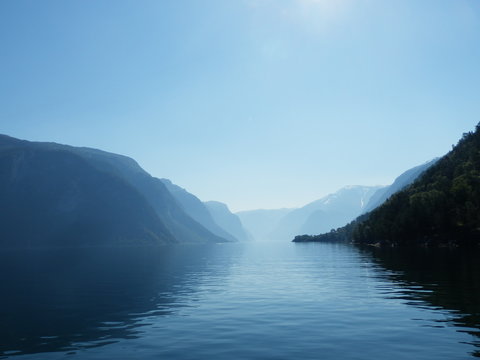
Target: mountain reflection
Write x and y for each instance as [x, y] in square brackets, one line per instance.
[60, 300]
[438, 278]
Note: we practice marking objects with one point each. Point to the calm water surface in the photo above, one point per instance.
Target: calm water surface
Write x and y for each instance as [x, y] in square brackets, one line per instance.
[240, 301]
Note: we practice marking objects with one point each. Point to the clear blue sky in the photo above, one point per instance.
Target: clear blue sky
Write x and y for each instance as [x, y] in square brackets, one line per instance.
[256, 103]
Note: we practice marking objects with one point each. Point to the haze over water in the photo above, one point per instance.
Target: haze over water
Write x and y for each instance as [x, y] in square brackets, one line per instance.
[240, 301]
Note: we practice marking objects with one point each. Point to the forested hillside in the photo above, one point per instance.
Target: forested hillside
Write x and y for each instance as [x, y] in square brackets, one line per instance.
[441, 207]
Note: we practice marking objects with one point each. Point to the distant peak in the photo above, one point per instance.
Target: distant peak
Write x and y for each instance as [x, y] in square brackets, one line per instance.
[217, 204]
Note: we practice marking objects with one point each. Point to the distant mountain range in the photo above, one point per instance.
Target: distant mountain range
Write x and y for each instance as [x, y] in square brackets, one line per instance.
[442, 206]
[329, 212]
[59, 195]
[325, 214]
[321, 215]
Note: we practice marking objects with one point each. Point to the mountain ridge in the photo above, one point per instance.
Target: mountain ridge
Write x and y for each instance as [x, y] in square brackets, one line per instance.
[400, 182]
[124, 169]
[196, 209]
[227, 220]
[79, 206]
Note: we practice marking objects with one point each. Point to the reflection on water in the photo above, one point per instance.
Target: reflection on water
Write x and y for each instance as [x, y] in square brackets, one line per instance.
[68, 299]
[248, 301]
[438, 278]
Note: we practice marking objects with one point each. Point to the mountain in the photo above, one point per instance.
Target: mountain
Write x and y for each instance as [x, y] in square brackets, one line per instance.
[331, 211]
[260, 223]
[57, 193]
[328, 213]
[56, 198]
[170, 210]
[197, 210]
[442, 207]
[400, 182]
[226, 220]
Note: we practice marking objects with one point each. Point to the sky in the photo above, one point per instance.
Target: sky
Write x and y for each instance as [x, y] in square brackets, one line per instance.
[255, 103]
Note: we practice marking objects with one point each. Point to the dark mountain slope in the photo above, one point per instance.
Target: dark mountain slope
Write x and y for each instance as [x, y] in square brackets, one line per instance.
[170, 210]
[55, 198]
[152, 190]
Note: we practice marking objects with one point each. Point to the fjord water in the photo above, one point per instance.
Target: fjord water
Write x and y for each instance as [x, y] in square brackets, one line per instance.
[240, 301]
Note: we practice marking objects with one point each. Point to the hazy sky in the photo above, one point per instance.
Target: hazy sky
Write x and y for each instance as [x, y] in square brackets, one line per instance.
[256, 103]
